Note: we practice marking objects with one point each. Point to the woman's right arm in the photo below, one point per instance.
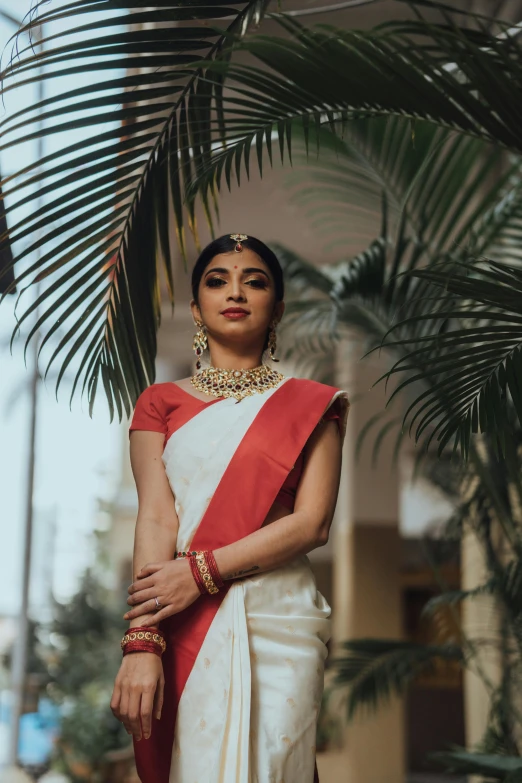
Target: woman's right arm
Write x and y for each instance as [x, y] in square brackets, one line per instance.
[138, 689]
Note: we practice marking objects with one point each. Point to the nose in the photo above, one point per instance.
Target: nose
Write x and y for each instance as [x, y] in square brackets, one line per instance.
[237, 290]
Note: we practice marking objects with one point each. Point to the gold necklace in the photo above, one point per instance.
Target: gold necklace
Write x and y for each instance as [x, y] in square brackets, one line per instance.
[236, 383]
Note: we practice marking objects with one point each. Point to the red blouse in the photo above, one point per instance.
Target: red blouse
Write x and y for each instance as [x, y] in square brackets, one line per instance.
[165, 407]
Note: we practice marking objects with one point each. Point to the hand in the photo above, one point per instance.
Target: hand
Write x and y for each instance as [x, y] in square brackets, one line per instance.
[138, 692]
[170, 582]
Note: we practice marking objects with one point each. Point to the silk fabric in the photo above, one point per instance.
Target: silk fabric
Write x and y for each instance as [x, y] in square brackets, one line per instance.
[244, 668]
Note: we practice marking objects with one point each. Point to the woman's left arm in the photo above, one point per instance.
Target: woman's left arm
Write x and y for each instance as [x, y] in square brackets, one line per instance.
[273, 545]
[307, 527]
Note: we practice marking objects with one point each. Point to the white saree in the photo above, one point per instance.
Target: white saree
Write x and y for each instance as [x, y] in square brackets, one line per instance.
[248, 711]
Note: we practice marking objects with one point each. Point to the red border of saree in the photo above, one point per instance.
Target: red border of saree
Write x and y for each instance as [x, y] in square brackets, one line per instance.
[259, 466]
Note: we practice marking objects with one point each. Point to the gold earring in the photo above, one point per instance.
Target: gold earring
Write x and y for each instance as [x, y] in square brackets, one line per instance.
[272, 341]
[199, 342]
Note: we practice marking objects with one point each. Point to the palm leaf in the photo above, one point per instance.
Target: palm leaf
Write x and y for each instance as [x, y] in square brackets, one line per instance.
[449, 178]
[496, 767]
[374, 670]
[183, 134]
[472, 368]
[332, 76]
[101, 237]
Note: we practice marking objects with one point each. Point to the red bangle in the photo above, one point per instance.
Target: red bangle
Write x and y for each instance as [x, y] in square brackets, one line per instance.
[197, 576]
[143, 639]
[151, 628]
[150, 647]
[214, 570]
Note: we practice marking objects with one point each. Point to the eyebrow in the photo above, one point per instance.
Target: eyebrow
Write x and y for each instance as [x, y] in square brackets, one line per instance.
[245, 271]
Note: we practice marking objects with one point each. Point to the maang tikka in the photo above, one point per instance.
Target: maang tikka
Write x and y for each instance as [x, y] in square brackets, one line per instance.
[199, 343]
[239, 238]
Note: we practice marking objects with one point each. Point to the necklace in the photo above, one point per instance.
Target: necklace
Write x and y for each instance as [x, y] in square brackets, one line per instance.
[236, 383]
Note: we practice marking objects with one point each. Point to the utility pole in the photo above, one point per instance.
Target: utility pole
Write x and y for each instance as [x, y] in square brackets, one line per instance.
[13, 773]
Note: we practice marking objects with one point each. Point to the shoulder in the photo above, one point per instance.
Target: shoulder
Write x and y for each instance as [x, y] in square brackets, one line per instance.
[150, 393]
[307, 384]
[158, 396]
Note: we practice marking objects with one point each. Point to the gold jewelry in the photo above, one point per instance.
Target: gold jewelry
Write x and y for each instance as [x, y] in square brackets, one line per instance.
[206, 576]
[238, 238]
[272, 339]
[147, 636]
[199, 342]
[220, 382]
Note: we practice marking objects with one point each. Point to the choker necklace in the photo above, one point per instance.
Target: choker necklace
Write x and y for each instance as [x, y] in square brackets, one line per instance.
[236, 383]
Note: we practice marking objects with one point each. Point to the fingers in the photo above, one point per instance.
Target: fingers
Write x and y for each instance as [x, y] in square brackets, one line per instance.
[141, 596]
[148, 607]
[116, 702]
[124, 709]
[147, 701]
[167, 611]
[141, 584]
[158, 698]
[150, 568]
[133, 715]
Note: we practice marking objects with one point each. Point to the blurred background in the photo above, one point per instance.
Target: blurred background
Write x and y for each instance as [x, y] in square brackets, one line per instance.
[406, 678]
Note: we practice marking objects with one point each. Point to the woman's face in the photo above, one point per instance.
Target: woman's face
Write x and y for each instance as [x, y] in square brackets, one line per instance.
[237, 280]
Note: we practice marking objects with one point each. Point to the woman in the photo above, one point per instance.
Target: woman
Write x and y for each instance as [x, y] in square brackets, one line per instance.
[242, 465]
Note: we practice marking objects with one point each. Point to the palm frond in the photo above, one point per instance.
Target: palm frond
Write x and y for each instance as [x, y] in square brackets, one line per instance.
[101, 238]
[331, 76]
[471, 369]
[170, 123]
[451, 178]
[505, 768]
[454, 597]
[377, 669]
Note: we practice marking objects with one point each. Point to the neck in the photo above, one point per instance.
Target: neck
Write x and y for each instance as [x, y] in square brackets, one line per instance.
[227, 360]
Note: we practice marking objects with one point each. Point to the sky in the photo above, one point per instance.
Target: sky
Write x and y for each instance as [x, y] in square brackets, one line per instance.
[77, 457]
[77, 462]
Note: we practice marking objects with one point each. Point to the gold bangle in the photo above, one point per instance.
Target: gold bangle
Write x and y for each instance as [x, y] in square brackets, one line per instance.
[206, 576]
[147, 636]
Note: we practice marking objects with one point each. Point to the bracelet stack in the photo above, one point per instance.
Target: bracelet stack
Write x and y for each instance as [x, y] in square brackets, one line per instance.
[143, 640]
[205, 571]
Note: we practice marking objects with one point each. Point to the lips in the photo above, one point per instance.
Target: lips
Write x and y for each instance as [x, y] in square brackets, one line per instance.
[235, 310]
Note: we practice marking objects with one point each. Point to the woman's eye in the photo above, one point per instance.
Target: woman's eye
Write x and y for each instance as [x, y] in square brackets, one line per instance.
[215, 282]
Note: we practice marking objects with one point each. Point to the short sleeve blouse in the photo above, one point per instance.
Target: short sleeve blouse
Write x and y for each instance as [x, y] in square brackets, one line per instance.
[164, 407]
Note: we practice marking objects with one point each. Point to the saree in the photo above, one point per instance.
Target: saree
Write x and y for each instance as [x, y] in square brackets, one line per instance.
[243, 668]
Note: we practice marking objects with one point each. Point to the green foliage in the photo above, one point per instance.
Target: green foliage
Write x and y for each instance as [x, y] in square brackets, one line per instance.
[103, 232]
[89, 628]
[88, 731]
[377, 669]
[493, 767]
[82, 663]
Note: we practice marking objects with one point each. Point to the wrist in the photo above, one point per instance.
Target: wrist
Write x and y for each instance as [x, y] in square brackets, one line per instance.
[136, 622]
[205, 572]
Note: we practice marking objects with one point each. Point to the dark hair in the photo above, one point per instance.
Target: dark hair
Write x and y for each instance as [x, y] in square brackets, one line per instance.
[225, 244]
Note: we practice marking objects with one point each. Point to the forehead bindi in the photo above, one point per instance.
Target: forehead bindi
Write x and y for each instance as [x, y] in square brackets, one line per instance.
[248, 264]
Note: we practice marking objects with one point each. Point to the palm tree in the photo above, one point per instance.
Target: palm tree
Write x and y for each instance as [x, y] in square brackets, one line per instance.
[184, 116]
[367, 293]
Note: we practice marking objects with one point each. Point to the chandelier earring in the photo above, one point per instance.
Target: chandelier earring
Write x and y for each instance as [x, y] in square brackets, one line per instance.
[272, 342]
[199, 343]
